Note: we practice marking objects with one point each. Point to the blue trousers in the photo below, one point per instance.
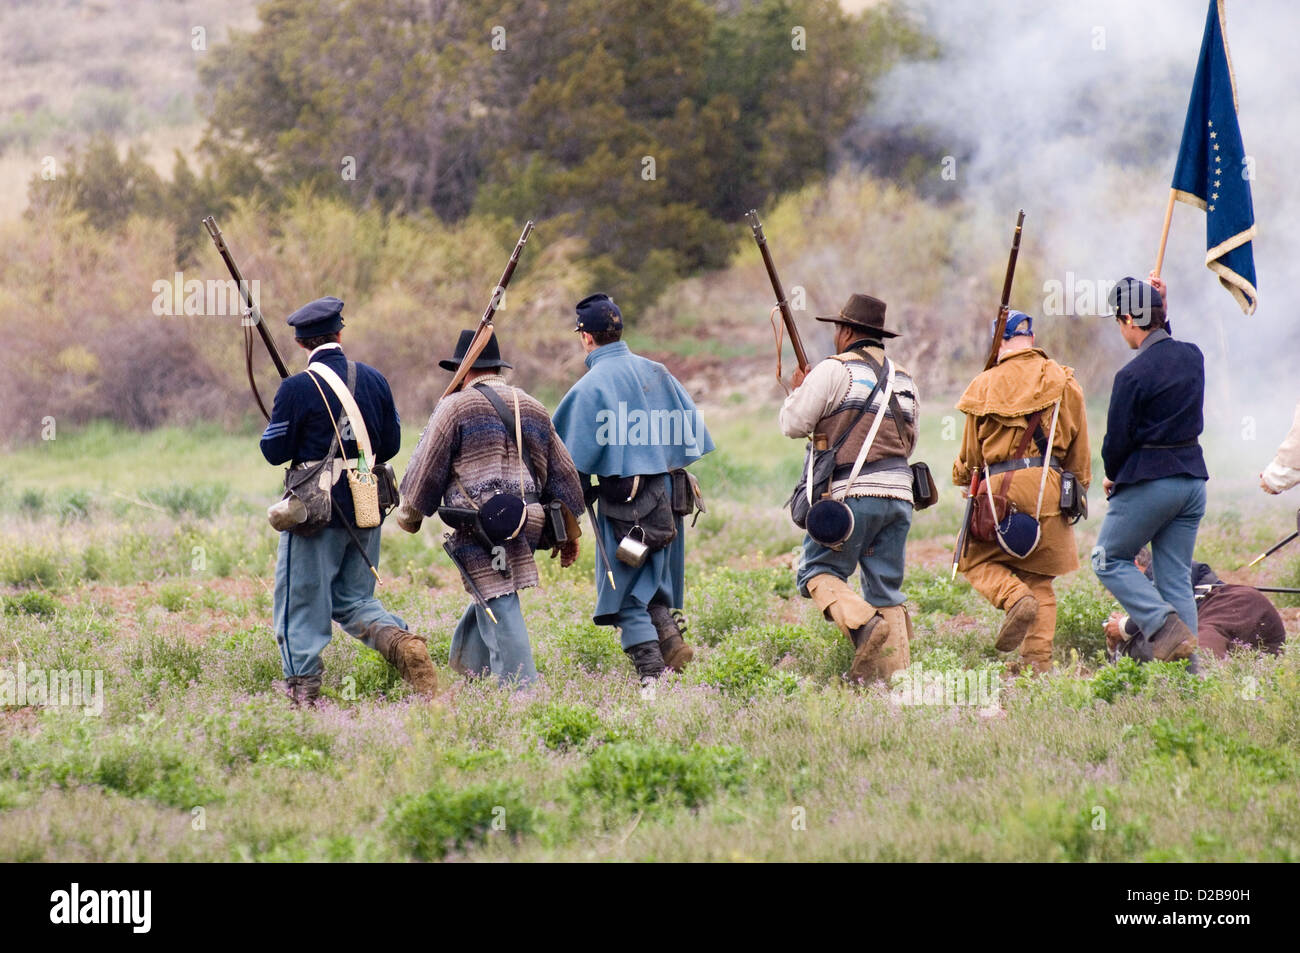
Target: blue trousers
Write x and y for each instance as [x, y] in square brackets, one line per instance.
[480, 646]
[877, 548]
[1166, 514]
[320, 579]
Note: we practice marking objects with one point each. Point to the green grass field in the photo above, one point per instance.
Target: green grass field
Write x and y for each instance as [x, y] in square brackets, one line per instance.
[147, 557]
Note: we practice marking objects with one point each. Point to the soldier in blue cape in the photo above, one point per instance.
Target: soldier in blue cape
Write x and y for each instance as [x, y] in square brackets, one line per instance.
[632, 425]
[323, 576]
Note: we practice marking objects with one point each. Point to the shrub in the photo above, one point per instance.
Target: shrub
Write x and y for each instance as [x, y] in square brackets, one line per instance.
[561, 727]
[430, 825]
[201, 501]
[629, 776]
[1126, 675]
[30, 566]
[1081, 613]
[731, 599]
[589, 646]
[739, 670]
[167, 659]
[936, 592]
[31, 603]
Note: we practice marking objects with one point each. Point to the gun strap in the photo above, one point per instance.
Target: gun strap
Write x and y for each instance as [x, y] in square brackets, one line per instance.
[513, 424]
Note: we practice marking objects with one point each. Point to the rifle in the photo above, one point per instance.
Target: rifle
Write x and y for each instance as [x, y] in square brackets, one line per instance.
[1276, 546]
[473, 588]
[253, 318]
[600, 546]
[963, 534]
[483, 333]
[1001, 326]
[800, 355]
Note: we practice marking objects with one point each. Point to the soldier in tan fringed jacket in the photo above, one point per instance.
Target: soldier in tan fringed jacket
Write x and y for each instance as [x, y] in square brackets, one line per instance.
[1284, 472]
[997, 405]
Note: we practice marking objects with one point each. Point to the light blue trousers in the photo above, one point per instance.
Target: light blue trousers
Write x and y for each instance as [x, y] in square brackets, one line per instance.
[877, 549]
[1165, 513]
[320, 579]
[481, 647]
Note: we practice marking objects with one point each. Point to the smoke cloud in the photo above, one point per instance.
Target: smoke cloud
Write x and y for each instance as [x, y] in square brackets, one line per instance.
[1074, 111]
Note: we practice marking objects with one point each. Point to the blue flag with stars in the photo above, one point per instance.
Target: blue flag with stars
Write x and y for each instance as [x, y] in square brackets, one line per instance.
[1212, 172]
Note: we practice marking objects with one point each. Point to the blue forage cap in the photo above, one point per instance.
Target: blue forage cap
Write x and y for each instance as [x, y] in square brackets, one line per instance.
[322, 316]
[598, 312]
[1137, 298]
[1018, 324]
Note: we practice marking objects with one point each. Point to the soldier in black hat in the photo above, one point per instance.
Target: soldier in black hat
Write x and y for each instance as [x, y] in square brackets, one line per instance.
[323, 576]
[490, 460]
[864, 407]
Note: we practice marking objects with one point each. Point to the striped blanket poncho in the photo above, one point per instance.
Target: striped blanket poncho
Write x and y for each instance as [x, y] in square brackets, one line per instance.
[463, 458]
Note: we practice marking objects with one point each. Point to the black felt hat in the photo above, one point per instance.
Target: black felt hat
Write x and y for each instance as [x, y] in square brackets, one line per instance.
[489, 357]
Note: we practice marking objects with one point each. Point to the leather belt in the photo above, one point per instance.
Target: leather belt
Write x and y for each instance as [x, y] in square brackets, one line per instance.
[900, 464]
[1024, 463]
[1169, 446]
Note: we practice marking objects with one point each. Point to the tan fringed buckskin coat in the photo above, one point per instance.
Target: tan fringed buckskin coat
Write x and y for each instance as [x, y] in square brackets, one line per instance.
[997, 405]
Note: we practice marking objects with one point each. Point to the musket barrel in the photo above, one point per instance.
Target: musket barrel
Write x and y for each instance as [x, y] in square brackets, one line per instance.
[245, 295]
[792, 331]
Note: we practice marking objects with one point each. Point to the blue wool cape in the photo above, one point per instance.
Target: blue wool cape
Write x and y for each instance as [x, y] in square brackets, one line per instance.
[627, 416]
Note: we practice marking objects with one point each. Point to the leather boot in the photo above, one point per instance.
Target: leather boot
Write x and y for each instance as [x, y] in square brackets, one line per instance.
[1173, 640]
[647, 658]
[676, 653]
[291, 683]
[1020, 618]
[308, 690]
[867, 641]
[409, 655]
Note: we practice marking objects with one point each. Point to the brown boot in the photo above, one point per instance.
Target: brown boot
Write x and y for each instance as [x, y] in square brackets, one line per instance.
[868, 640]
[1173, 640]
[1020, 618]
[302, 690]
[409, 655]
[672, 646]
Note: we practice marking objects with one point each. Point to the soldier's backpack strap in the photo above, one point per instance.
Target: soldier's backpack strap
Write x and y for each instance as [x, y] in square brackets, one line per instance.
[349, 403]
[893, 403]
[514, 432]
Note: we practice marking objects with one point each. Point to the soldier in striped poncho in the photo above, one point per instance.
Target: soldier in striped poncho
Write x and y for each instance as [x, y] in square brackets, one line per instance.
[465, 457]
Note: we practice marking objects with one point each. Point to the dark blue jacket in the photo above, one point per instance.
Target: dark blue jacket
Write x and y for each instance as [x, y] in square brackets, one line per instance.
[1157, 399]
[300, 428]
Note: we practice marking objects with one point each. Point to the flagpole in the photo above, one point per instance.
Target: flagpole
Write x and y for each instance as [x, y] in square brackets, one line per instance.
[1164, 234]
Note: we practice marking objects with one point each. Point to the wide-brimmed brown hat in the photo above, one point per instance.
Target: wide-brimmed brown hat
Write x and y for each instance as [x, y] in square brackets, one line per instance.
[864, 313]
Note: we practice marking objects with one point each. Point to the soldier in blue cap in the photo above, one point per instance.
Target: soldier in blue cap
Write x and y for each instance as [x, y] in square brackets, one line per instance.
[1013, 411]
[320, 575]
[1155, 475]
[632, 425]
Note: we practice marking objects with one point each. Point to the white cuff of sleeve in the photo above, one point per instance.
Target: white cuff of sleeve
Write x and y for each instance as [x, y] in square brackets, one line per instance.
[1280, 478]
